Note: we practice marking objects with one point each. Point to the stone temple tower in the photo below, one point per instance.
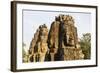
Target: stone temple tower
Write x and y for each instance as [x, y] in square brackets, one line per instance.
[63, 39]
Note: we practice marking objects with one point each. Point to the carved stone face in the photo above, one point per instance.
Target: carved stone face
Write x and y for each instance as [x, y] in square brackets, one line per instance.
[67, 35]
[43, 34]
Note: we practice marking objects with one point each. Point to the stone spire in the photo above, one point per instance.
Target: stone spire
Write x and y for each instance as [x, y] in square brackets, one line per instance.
[39, 47]
[63, 39]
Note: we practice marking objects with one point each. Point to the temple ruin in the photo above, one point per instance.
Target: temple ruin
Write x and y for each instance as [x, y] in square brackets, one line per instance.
[60, 43]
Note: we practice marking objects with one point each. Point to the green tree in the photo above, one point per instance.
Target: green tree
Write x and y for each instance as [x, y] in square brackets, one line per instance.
[24, 54]
[23, 51]
[85, 43]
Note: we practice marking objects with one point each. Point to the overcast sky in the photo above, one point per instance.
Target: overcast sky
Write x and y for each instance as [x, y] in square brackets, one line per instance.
[32, 20]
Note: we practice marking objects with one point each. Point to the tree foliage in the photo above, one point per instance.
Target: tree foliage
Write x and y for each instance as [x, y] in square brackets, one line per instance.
[24, 54]
[85, 43]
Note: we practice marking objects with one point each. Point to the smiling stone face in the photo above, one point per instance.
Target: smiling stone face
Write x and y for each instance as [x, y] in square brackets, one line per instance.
[43, 33]
[68, 36]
